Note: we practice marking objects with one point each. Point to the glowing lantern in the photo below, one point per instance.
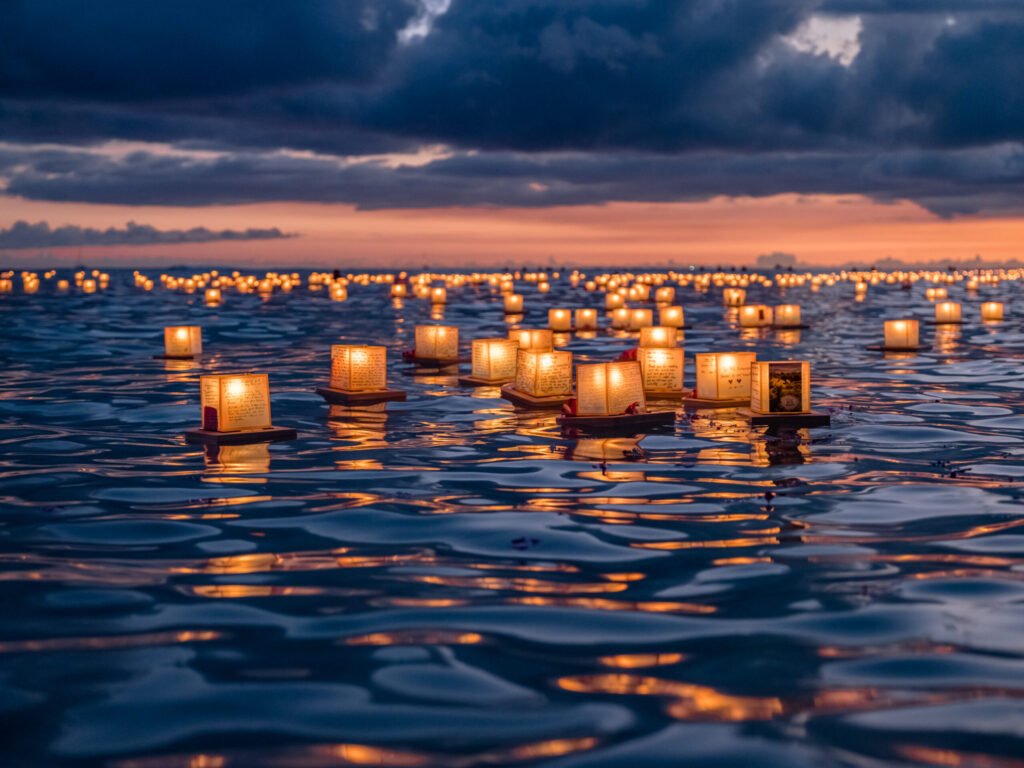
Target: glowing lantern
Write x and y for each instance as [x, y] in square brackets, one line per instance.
[6, 286]
[935, 294]
[183, 341]
[620, 318]
[358, 368]
[544, 374]
[438, 295]
[992, 310]
[494, 359]
[437, 341]
[734, 297]
[338, 292]
[608, 389]
[213, 295]
[755, 315]
[780, 386]
[860, 288]
[901, 334]
[586, 319]
[671, 317]
[560, 319]
[665, 295]
[540, 339]
[399, 291]
[507, 286]
[662, 369]
[657, 336]
[724, 375]
[513, 303]
[787, 315]
[233, 402]
[590, 285]
[544, 286]
[613, 301]
[63, 285]
[89, 286]
[640, 318]
[947, 312]
[972, 284]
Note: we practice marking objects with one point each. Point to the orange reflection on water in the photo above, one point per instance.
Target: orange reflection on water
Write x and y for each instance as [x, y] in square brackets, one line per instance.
[361, 754]
[416, 637]
[717, 544]
[521, 584]
[639, 660]
[604, 604]
[740, 560]
[106, 643]
[936, 756]
[251, 590]
[238, 458]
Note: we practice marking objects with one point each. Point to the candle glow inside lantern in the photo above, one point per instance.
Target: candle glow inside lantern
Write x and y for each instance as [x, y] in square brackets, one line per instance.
[183, 341]
[901, 334]
[947, 312]
[543, 374]
[620, 318]
[438, 341]
[609, 389]
[657, 336]
[724, 375]
[399, 291]
[671, 317]
[734, 297]
[662, 369]
[494, 360]
[513, 303]
[787, 314]
[235, 402]
[665, 295]
[640, 318]
[586, 319]
[755, 315]
[934, 294]
[539, 339]
[560, 319]
[780, 386]
[613, 301]
[992, 310]
[213, 295]
[438, 295]
[358, 368]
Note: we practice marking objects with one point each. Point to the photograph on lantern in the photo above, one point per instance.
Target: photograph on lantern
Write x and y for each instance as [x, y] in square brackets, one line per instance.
[785, 387]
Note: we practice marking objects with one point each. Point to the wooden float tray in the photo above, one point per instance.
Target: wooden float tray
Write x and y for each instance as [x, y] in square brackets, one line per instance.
[798, 326]
[349, 397]
[692, 402]
[244, 437]
[523, 400]
[883, 348]
[807, 419]
[473, 381]
[620, 422]
[177, 357]
[944, 322]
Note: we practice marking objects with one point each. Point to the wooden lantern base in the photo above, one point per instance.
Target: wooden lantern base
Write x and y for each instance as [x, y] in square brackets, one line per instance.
[177, 357]
[883, 348]
[473, 381]
[245, 437]
[523, 400]
[673, 395]
[618, 423]
[807, 419]
[707, 402]
[798, 326]
[336, 396]
[943, 322]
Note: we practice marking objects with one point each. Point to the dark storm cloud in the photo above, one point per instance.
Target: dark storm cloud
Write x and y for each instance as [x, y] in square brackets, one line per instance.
[593, 100]
[40, 235]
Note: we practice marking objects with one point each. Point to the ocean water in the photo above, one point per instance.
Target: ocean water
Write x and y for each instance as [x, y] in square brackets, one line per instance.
[447, 582]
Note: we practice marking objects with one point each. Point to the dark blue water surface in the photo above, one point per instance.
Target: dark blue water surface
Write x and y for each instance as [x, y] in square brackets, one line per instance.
[449, 582]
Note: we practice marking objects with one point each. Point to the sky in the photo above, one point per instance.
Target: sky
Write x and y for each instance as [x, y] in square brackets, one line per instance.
[475, 132]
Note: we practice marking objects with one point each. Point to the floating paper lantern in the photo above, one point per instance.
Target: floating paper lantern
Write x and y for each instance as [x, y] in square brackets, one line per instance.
[543, 374]
[755, 315]
[860, 288]
[665, 295]
[609, 389]
[780, 386]
[437, 341]
[538, 339]
[438, 295]
[89, 286]
[787, 315]
[399, 291]
[992, 310]
[657, 336]
[935, 294]
[494, 360]
[213, 296]
[234, 402]
[662, 369]
[183, 341]
[640, 318]
[724, 375]
[613, 301]
[947, 312]
[358, 368]
[586, 319]
[338, 292]
[734, 297]
[513, 303]
[63, 285]
[560, 319]
[901, 334]
[620, 318]
[543, 286]
[671, 317]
